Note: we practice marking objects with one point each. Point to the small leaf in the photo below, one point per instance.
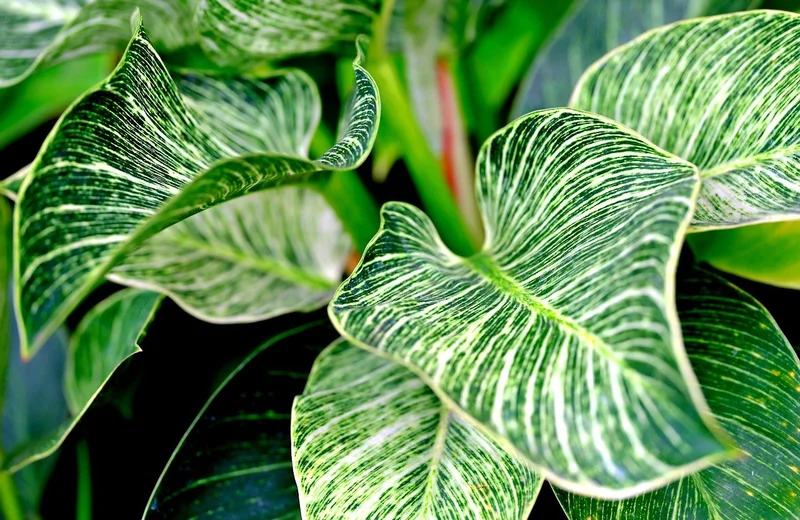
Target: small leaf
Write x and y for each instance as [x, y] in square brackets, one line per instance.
[594, 28]
[253, 30]
[259, 256]
[560, 336]
[43, 33]
[130, 159]
[371, 440]
[722, 93]
[107, 336]
[750, 375]
[235, 459]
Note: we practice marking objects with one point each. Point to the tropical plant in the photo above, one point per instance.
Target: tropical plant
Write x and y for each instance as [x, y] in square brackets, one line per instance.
[533, 317]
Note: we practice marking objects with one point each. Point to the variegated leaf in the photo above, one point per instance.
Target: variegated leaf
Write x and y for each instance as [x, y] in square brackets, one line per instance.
[107, 336]
[128, 160]
[560, 336]
[250, 30]
[750, 375]
[235, 459]
[39, 33]
[371, 440]
[259, 256]
[722, 93]
[594, 28]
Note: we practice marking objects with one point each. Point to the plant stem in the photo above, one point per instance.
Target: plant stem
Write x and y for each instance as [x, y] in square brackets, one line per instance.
[423, 165]
[84, 506]
[347, 195]
[9, 501]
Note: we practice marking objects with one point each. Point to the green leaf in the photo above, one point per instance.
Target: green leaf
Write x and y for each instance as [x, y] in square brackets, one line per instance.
[130, 159]
[235, 459]
[594, 28]
[750, 375]
[107, 336]
[252, 30]
[371, 440]
[768, 253]
[250, 259]
[45, 94]
[722, 93]
[560, 336]
[43, 33]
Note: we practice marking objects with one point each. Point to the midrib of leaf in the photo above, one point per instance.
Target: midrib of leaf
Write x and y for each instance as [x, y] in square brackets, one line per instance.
[229, 475]
[486, 266]
[701, 488]
[285, 272]
[743, 162]
[436, 457]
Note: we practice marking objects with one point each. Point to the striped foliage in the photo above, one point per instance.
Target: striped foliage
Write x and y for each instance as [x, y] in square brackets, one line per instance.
[240, 30]
[130, 159]
[594, 28]
[107, 336]
[750, 375]
[235, 459]
[39, 33]
[371, 440]
[259, 256]
[560, 336]
[722, 93]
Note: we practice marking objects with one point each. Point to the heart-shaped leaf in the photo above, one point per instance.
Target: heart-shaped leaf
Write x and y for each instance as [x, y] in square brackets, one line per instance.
[722, 93]
[43, 33]
[750, 375]
[107, 336]
[130, 159]
[560, 336]
[371, 440]
[235, 459]
[594, 28]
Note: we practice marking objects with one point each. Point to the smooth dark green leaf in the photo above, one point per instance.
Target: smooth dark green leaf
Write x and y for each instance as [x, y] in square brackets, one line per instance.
[750, 376]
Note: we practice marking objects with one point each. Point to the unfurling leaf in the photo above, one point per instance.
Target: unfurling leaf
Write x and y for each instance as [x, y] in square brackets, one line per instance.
[108, 335]
[235, 459]
[560, 337]
[128, 160]
[749, 374]
[371, 440]
[722, 93]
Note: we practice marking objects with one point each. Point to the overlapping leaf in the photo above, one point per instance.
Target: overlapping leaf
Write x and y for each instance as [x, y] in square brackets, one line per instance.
[106, 337]
[722, 93]
[594, 28]
[235, 459]
[371, 440]
[749, 374]
[130, 159]
[560, 337]
[39, 33]
[242, 30]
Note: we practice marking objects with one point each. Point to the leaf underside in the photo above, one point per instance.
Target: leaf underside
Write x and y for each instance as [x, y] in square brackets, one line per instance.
[722, 93]
[560, 337]
[371, 440]
[128, 160]
[749, 374]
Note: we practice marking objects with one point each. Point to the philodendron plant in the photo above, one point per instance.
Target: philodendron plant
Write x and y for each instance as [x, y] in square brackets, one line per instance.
[545, 314]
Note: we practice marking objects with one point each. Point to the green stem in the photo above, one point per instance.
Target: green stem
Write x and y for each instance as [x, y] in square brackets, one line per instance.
[9, 501]
[84, 506]
[348, 196]
[423, 165]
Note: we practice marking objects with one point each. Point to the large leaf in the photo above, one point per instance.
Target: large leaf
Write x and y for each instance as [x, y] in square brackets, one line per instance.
[560, 336]
[722, 93]
[371, 440]
[128, 160]
[251, 30]
[40, 33]
[235, 459]
[107, 336]
[749, 374]
[594, 28]
[249, 259]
